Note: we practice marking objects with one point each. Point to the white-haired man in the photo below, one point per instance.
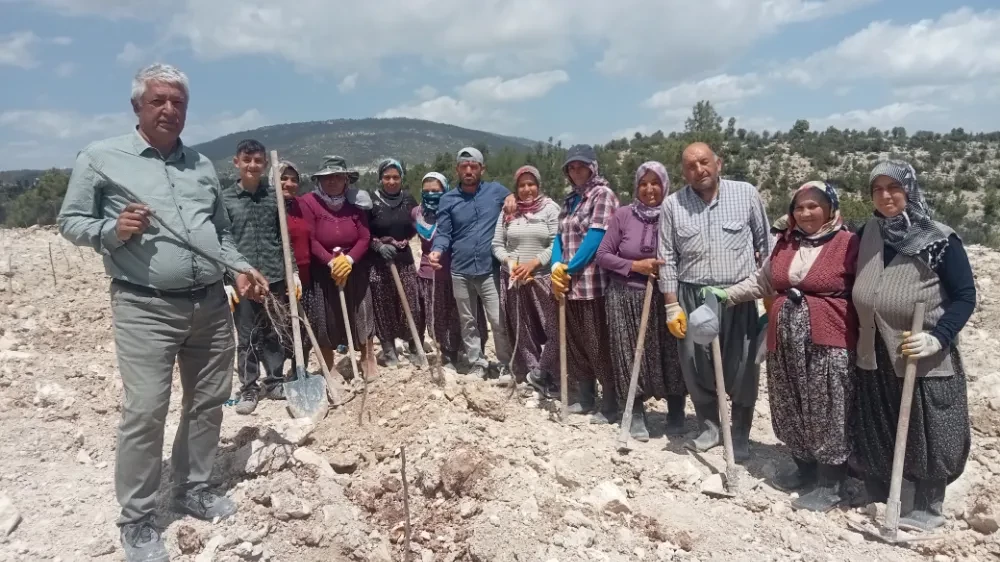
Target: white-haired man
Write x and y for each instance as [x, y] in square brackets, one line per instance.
[168, 303]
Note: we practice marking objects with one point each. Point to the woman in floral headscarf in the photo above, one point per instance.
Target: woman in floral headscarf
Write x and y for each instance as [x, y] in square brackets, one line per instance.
[628, 254]
[522, 243]
[435, 298]
[810, 341]
[391, 230]
[906, 257]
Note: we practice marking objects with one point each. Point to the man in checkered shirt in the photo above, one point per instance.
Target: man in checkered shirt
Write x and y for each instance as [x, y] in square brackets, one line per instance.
[714, 232]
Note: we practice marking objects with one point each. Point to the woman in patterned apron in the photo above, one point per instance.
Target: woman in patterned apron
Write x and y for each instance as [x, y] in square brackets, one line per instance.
[810, 341]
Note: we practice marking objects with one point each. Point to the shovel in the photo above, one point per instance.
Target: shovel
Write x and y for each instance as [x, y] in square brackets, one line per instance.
[889, 531]
[421, 356]
[633, 384]
[305, 394]
[563, 369]
[732, 476]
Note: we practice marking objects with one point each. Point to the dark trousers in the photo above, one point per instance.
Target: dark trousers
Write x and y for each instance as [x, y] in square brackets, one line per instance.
[258, 343]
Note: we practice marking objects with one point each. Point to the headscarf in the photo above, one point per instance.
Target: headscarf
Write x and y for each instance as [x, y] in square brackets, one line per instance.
[426, 218]
[595, 180]
[525, 208]
[911, 233]
[391, 199]
[786, 227]
[641, 210]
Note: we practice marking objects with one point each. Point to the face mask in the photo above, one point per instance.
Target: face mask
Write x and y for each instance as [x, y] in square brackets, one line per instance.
[430, 199]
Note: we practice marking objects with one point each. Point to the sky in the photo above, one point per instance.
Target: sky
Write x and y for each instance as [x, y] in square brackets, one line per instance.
[574, 70]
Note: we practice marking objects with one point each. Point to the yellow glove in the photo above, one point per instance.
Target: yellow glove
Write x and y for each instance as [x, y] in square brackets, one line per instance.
[298, 286]
[234, 299]
[677, 321]
[560, 279]
[340, 268]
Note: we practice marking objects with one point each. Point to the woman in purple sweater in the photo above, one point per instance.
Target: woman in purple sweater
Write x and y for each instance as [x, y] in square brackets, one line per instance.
[628, 254]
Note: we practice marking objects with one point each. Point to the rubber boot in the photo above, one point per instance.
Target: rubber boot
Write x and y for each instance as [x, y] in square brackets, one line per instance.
[638, 429]
[675, 414]
[742, 419]
[389, 354]
[804, 474]
[708, 415]
[876, 490]
[928, 502]
[586, 395]
[826, 495]
[609, 412]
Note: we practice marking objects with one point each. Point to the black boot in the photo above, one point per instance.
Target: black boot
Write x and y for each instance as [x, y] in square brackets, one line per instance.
[675, 414]
[826, 495]
[742, 418]
[389, 354]
[708, 415]
[586, 395]
[638, 428]
[804, 474]
[876, 490]
[609, 406]
[928, 502]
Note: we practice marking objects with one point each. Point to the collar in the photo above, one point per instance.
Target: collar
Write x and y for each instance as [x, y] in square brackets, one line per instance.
[142, 148]
[694, 196]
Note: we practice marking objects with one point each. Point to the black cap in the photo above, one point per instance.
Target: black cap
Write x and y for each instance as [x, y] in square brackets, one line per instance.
[580, 153]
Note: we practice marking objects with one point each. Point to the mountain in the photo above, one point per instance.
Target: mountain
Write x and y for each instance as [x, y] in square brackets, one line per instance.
[362, 141]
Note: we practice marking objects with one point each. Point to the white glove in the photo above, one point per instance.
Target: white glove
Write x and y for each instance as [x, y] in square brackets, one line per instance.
[233, 297]
[920, 345]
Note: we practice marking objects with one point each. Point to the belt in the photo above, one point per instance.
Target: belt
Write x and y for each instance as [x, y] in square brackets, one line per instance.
[194, 293]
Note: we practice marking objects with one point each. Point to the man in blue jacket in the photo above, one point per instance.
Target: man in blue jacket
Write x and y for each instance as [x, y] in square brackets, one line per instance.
[467, 217]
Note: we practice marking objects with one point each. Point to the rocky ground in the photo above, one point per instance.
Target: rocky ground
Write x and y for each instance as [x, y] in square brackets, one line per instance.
[489, 476]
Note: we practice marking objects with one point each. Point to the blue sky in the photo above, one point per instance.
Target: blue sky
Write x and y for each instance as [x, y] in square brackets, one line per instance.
[576, 70]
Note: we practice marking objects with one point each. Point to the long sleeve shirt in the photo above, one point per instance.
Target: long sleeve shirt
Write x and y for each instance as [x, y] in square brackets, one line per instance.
[181, 188]
[345, 228]
[527, 237]
[627, 239]
[300, 239]
[386, 221]
[256, 228]
[712, 243]
[465, 227]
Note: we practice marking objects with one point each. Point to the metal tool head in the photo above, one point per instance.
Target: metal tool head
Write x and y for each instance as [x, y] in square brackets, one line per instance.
[306, 395]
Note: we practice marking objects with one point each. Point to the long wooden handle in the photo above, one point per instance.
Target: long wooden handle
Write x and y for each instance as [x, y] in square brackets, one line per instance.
[286, 251]
[409, 315]
[892, 506]
[640, 346]
[327, 374]
[347, 328]
[724, 421]
[563, 372]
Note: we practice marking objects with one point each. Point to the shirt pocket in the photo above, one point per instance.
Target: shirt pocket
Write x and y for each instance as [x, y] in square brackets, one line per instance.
[689, 240]
[734, 236]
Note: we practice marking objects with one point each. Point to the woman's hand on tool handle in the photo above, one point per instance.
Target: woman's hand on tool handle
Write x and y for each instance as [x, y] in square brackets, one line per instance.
[134, 219]
[647, 267]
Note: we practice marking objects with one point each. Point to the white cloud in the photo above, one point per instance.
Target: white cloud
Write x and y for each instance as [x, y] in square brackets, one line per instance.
[425, 92]
[130, 54]
[63, 125]
[509, 37]
[885, 117]
[629, 132]
[348, 83]
[62, 41]
[721, 90]
[65, 69]
[960, 45]
[495, 89]
[446, 109]
[15, 49]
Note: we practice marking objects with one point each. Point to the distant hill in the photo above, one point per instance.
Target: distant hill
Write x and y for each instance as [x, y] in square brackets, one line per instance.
[362, 141]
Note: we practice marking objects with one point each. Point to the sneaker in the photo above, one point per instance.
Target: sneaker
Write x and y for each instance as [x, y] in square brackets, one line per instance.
[142, 542]
[248, 401]
[203, 504]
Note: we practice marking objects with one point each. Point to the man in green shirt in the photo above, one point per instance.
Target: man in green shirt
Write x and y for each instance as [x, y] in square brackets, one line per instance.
[168, 303]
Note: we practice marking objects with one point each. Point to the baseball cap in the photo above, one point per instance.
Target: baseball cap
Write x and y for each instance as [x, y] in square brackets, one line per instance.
[469, 154]
[703, 324]
[580, 153]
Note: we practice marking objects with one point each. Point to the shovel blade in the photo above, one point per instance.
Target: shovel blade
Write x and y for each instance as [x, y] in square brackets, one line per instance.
[306, 396]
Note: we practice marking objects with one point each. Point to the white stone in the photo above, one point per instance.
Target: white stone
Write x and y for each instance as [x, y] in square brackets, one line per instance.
[211, 549]
[9, 517]
[311, 458]
[257, 457]
[611, 498]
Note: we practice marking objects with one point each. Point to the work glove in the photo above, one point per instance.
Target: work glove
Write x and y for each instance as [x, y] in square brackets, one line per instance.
[677, 321]
[297, 283]
[720, 294]
[233, 298]
[920, 345]
[340, 268]
[560, 278]
[387, 251]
